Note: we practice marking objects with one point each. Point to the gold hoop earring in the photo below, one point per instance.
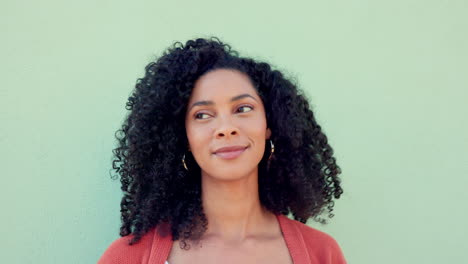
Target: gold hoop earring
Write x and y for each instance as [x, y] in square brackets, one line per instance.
[272, 147]
[183, 162]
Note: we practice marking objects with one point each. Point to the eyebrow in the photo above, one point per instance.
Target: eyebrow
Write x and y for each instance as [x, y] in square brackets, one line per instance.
[235, 98]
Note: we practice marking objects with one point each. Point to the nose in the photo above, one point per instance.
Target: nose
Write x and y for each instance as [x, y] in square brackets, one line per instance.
[226, 129]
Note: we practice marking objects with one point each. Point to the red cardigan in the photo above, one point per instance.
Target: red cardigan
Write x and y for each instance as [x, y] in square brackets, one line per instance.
[306, 246]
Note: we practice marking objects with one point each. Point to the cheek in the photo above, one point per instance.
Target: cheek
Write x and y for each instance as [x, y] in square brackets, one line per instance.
[197, 136]
[255, 128]
[190, 135]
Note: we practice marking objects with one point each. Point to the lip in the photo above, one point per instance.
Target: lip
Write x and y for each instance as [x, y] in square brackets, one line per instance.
[230, 152]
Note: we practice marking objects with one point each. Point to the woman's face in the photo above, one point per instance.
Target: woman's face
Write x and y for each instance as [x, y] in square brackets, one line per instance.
[225, 111]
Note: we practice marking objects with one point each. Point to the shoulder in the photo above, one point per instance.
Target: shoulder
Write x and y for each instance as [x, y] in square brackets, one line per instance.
[314, 236]
[320, 245]
[120, 251]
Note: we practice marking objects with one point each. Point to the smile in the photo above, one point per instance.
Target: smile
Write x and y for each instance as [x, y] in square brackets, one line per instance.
[228, 155]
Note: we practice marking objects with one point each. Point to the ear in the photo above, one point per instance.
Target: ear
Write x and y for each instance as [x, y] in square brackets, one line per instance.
[268, 133]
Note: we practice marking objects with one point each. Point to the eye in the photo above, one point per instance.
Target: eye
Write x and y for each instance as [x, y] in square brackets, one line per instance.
[201, 116]
[245, 108]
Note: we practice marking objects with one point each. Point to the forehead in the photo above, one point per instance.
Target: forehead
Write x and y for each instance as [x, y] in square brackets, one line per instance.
[220, 84]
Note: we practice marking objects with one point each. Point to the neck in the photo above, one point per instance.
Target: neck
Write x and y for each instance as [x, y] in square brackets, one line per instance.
[233, 209]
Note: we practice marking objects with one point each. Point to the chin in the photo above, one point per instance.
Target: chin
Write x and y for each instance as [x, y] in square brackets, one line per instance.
[228, 173]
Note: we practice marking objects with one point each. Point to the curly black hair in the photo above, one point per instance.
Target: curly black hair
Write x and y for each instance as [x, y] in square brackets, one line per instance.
[301, 177]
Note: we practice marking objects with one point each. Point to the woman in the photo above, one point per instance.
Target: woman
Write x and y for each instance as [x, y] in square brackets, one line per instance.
[217, 149]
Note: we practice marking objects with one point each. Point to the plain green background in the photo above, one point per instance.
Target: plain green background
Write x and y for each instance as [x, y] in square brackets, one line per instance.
[387, 80]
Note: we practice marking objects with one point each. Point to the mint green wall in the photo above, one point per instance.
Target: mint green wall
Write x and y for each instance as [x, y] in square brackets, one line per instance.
[388, 81]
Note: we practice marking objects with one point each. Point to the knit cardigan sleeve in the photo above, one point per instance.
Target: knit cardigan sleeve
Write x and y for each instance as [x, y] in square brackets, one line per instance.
[322, 247]
[120, 252]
